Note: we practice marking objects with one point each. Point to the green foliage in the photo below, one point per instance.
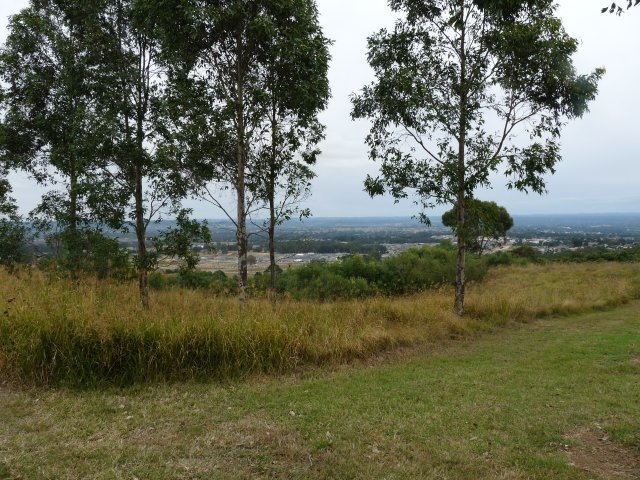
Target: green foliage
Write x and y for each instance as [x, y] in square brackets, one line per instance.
[94, 253]
[103, 256]
[356, 276]
[596, 254]
[14, 243]
[215, 282]
[49, 118]
[526, 252]
[445, 72]
[178, 242]
[249, 81]
[15, 236]
[484, 221]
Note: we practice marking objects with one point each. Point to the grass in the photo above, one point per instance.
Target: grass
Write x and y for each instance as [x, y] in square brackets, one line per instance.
[506, 405]
[54, 335]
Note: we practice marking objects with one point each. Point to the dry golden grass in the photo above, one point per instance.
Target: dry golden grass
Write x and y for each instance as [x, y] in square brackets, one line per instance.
[52, 333]
[531, 291]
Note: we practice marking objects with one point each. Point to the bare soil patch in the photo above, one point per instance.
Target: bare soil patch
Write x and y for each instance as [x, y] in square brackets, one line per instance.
[592, 451]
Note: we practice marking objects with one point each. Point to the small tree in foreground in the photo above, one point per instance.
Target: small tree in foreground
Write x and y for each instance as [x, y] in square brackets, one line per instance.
[485, 221]
[456, 82]
[177, 242]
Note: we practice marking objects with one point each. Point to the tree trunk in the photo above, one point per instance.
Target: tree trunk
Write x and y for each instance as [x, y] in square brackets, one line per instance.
[241, 237]
[143, 268]
[460, 263]
[271, 193]
[272, 249]
[241, 155]
[72, 243]
[462, 137]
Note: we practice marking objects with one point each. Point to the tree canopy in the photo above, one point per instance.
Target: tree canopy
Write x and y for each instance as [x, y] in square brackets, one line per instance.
[48, 111]
[485, 221]
[249, 81]
[456, 82]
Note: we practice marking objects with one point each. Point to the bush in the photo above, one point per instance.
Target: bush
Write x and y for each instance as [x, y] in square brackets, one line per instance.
[596, 254]
[217, 282]
[356, 276]
[14, 240]
[498, 259]
[526, 252]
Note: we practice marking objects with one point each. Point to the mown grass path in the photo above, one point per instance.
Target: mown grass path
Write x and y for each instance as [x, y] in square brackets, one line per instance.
[523, 402]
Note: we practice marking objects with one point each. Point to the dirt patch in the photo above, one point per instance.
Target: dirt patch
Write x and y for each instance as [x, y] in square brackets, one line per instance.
[635, 360]
[592, 451]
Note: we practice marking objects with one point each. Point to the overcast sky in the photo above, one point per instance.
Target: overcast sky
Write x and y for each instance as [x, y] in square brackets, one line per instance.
[600, 171]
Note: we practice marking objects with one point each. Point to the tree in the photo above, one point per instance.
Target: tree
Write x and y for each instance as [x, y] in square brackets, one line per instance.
[229, 53]
[297, 89]
[142, 181]
[218, 103]
[445, 75]
[48, 112]
[14, 234]
[485, 221]
[178, 242]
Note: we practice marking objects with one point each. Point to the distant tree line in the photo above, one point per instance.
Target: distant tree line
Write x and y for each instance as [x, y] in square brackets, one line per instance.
[330, 246]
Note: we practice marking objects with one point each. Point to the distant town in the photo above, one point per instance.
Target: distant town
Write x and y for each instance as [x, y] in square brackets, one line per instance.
[329, 239]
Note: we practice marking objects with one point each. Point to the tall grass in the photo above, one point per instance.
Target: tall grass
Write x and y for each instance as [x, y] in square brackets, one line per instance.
[52, 334]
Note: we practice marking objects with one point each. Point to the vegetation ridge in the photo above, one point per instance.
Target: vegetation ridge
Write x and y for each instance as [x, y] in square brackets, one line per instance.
[52, 334]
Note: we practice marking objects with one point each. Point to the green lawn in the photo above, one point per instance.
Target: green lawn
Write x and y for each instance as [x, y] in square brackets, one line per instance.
[524, 402]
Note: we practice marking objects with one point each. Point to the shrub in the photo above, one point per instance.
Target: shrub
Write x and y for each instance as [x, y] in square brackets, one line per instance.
[526, 252]
[217, 282]
[497, 259]
[356, 276]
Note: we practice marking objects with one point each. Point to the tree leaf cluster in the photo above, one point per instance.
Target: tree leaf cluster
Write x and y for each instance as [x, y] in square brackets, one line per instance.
[485, 221]
[619, 9]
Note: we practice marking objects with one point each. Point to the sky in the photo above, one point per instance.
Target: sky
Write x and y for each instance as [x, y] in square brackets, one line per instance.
[600, 171]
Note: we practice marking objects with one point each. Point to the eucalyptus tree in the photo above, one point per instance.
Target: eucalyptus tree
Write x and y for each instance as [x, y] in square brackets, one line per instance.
[222, 95]
[142, 182]
[297, 89]
[48, 111]
[466, 88]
